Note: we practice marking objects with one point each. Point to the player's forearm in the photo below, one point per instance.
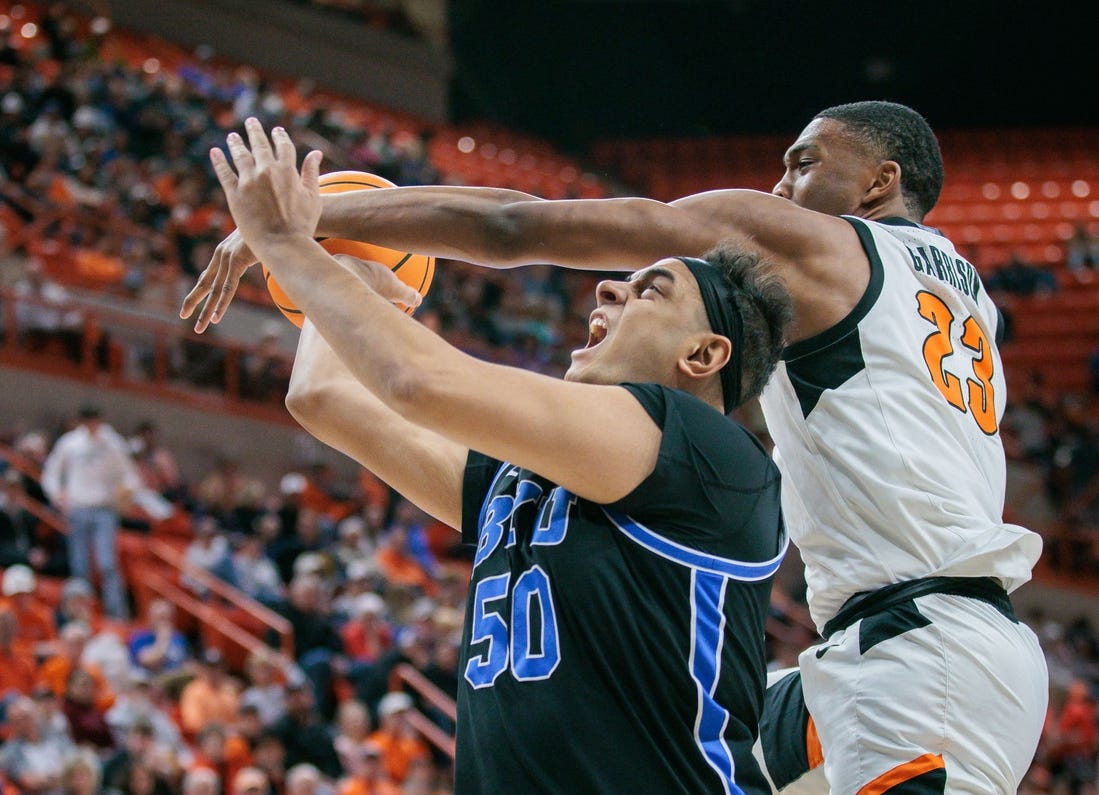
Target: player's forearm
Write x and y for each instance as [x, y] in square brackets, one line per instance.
[503, 228]
[469, 224]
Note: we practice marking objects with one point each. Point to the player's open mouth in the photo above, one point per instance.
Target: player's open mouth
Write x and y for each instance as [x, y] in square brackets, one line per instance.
[597, 331]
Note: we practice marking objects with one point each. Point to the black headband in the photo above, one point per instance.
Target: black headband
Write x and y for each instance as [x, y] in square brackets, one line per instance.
[724, 317]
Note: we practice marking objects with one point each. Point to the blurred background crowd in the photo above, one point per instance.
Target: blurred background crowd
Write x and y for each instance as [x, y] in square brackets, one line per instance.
[112, 680]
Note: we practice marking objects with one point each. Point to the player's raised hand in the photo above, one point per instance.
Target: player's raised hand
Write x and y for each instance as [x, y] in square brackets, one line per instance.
[269, 200]
[219, 282]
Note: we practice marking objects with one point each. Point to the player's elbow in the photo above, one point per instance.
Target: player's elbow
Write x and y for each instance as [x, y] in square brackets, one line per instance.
[307, 401]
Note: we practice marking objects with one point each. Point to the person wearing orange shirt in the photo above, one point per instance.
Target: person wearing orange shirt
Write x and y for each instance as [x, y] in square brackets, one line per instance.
[211, 697]
[55, 671]
[34, 621]
[367, 774]
[16, 669]
[398, 741]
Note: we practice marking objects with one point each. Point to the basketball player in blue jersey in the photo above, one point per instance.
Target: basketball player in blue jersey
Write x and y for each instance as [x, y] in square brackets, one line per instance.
[885, 413]
[626, 530]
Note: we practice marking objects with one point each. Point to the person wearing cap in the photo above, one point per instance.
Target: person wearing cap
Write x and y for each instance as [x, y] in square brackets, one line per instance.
[399, 742]
[35, 625]
[89, 476]
[627, 530]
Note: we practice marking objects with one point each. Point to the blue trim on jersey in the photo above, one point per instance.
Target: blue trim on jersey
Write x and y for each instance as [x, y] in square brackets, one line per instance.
[725, 567]
[707, 635]
[500, 472]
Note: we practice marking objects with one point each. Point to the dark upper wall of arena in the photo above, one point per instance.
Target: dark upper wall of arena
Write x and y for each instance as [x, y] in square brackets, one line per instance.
[581, 69]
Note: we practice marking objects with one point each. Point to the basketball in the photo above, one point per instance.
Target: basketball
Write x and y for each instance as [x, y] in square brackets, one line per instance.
[415, 270]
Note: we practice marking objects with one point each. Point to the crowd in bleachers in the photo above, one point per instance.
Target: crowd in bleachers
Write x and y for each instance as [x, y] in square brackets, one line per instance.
[365, 580]
[105, 169]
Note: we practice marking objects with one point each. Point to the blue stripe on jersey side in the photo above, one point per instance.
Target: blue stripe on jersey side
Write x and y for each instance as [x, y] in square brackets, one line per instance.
[707, 634]
[500, 472]
[725, 567]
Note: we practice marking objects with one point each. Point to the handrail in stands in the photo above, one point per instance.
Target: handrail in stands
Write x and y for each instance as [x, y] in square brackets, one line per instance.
[224, 590]
[205, 613]
[429, 692]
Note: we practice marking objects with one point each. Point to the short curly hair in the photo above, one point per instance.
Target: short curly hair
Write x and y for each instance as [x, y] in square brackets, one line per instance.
[896, 132]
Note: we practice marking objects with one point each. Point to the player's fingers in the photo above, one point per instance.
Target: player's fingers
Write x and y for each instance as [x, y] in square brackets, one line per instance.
[285, 152]
[257, 140]
[224, 296]
[220, 266]
[311, 170]
[198, 292]
[242, 158]
[222, 170]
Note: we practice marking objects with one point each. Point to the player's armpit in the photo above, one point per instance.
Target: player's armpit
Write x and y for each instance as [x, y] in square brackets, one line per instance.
[333, 406]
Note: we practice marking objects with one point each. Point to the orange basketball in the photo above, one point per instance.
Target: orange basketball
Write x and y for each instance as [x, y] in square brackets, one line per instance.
[415, 270]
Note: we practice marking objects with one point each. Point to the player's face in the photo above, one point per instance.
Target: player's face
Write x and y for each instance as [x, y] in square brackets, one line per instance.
[641, 327]
[826, 171]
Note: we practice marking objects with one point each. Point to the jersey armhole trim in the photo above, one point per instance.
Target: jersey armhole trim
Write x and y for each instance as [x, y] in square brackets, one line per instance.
[861, 309]
[692, 558]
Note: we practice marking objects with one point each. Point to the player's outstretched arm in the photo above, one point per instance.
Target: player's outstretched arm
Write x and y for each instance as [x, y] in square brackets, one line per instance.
[596, 441]
[328, 401]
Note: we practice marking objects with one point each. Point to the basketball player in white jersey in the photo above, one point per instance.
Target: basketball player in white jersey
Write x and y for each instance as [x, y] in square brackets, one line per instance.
[885, 415]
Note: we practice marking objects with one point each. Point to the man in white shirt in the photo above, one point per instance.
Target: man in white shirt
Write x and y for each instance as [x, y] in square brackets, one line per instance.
[88, 476]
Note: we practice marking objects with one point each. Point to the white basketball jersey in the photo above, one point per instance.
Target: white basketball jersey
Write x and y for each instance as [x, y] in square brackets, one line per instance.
[886, 430]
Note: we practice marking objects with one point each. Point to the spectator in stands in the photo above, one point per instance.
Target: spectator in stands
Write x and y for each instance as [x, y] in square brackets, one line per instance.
[77, 603]
[1077, 742]
[366, 636]
[399, 742]
[255, 573]
[134, 751]
[305, 779]
[352, 730]
[32, 616]
[89, 475]
[211, 697]
[367, 774]
[304, 736]
[217, 751]
[160, 647]
[143, 779]
[45, 313]
[156, 463]
[352, 542]
[209, 551]
[265, 691]
[81, 774]
[86, 716]
[143, 702]
[265, 368]
[17, 524]
[1082, 251]
[32, 762]
[230, 495]
[403, 553]
[1019, 277]
[56, 671]
[269, 755]
[17, 674]
[201, 781]
[250, 781]
[317, 645]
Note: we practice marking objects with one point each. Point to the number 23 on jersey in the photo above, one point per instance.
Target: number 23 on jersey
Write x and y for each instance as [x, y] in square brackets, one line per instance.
[976, 397]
